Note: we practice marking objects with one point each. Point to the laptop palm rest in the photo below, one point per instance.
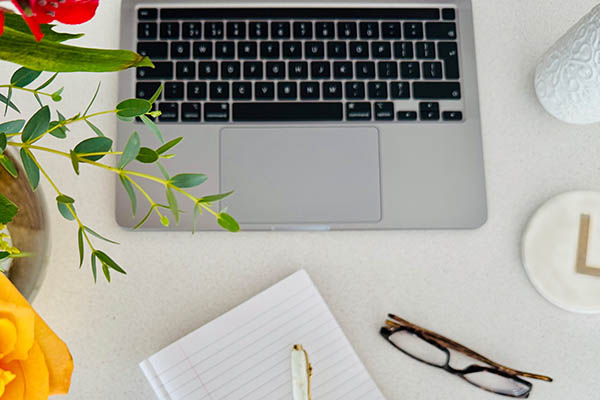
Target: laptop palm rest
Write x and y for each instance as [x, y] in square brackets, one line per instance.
[284, 175]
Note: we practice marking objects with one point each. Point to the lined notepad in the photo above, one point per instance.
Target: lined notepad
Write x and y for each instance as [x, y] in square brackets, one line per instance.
[245, 353]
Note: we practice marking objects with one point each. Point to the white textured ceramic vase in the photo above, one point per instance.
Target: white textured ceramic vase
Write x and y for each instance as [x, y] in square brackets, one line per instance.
[567, 81]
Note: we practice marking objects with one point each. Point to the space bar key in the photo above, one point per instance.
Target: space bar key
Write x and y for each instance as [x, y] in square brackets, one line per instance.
[287, 112]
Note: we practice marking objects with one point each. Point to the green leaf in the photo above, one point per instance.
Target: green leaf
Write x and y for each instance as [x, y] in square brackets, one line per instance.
[17, 23]
[3, 142]
[37, 97]
[47, 83]
[169, 145]
[163, 171]
[125, 119]
[152, 126]
[156, 95]
[105, 259]
[106, 272]
[37, 125]
[96, 234]
[24, 76]
[228, 222]
[214, 197]
[80, 246]
[65, 211]
[8, 210]
[143, 220]
[197, 213]
[93, 99]
[93, 127]
[10, 92]
[60, 132]
[21, 48]
[4, 254]
[56, 96]
[8, 165]
[133, 107]
[188, 180]
[74, 161]
[63, 198]
[147, 156]
[5, 100]
[164, 220]
[94, 266]
[31, 169]
[93, 145]
[131, 151]
[172, 200]
[12, 126]
[130, 192]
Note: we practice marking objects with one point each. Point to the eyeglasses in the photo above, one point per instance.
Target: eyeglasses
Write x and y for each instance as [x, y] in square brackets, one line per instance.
[433, 349]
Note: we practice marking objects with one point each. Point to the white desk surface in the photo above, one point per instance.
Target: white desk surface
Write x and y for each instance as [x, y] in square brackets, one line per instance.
[468, 285]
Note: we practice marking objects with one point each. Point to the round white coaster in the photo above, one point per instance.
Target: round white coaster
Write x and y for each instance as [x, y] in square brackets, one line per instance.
[561, 251]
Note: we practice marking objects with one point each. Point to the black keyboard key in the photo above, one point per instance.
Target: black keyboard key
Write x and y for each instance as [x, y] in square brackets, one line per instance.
[275, 70]
[440, 30]
[208, 70]
[280, 30]
[336, 50]
[365, 70]
[448, 52]
[391, 30]
[403, 50]
[309, 91]
[387, 70]
[287, 112]
[213, 30]
[247, 50]
[216, 112]
[320, 70]
[287, 91]
[303, 30]
[231, 70]
[429, 111]
[346, 30]
[269, 50]
[298, 70]
[381, 50]
[314, 50]
[191, 112]
[169, 112]
[173, 91]
[425, 50]
[358, 111]
[384, 111]
[196, 91]
[413, 30]
[147, 30]
[253, 70]
[169, 30]
[432, 70]
[236, 30]
[264, 90]
[436, 90]
[452, 116]
[153, 50]
[448, 14]
[145, 90]
[162, 70]
[400, 90]
[292, 50]
[219, 91]
[180, 50]
[378, 90]
[410, 70]
[359, 49]
[332, 90]
[225, 50]
[191, 30]
[355, 90]
[203, 50]
[342, 70]
[185, 70]
[258, 30]
[406, 115]
[324, 30]
[242, 91]
[369, 30]
[147, 14]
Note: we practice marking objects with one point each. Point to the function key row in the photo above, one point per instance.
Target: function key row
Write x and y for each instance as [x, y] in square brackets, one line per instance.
[305, 30]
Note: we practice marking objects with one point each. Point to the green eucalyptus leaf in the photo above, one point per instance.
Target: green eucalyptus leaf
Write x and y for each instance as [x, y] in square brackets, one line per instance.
[147, 156]
[37, 98]
[37, 125]
[143, 220]
[48, 82]
[8, 100]
[169, 145]
[164, 221]
[3, 142]
[93, 145]
[172, 200]
[130, 192]
[153, 128]
[23, 77]
[93, 99]
[8, 165]
[4, 255]
[94, 128]
[214, 197]
[31, 169]
[125, 119]
[183, 181]
[74, 161]
[60, 132]
[80, 246]
[56, 96]
[133, 107]
[197, 213]
[99, 236]
[63, 198]
[94, 266]
[105, 259]
[228, 222]
[5, 100]
[65, 211]
[131, 151]
[8, 210]
[12, 126]
[163, 171]
[106, 272]
[156, 95]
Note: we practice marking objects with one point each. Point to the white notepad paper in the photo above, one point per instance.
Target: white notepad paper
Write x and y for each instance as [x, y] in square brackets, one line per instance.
[245, 353]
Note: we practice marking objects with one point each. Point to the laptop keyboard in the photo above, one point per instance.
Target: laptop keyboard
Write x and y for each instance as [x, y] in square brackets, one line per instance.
[301, 65]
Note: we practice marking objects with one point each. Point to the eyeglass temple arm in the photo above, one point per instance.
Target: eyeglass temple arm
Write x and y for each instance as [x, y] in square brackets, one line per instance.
[399, 323]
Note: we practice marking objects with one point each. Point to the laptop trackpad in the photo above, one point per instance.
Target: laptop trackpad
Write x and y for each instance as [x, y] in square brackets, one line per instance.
[284, 175]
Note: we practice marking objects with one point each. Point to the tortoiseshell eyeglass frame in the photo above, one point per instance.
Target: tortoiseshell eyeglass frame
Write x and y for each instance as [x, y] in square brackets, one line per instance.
[396, 324]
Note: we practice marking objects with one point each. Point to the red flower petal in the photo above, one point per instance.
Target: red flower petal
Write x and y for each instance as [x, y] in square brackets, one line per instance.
[34, 25]
[71, 12]
[1, 22]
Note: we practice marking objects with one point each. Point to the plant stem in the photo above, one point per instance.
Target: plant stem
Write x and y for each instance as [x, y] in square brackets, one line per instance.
[26, 90]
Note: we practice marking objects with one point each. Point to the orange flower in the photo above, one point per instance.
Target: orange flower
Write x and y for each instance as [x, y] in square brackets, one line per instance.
[34, 362]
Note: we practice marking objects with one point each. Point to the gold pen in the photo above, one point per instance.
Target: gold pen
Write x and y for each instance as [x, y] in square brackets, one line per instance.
[301, 373]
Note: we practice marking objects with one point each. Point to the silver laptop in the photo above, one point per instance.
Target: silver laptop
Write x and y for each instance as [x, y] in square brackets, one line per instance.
[319, 115]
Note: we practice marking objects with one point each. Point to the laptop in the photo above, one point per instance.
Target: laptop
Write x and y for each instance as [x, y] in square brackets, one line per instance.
[318, 115]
